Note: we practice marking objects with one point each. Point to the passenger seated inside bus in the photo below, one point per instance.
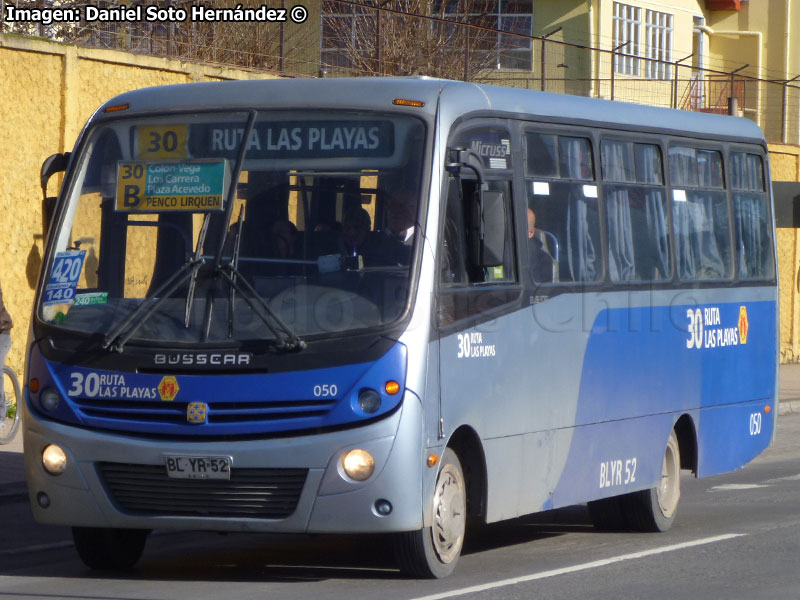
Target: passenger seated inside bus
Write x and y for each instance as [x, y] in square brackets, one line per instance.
[400, 226]
[399, 222]
[543, 265]
[357, 239]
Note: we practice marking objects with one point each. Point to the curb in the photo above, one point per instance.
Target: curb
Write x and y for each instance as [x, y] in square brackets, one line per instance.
[789, 406]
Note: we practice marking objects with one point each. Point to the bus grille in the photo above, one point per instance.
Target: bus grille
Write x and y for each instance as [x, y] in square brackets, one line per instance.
[250, 493]
[300, 413]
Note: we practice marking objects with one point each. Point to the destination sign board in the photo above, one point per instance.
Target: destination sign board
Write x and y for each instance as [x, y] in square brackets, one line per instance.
[295, 139]
[171, 186]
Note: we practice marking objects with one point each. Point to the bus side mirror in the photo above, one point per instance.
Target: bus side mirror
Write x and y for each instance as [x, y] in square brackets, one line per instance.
[488, 231]
[464, 158]
[55, 163]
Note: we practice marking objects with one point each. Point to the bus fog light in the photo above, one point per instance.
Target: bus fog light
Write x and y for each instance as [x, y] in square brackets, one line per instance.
[358, 464]
[383, 507]
[43, 500]
[54, 460]
[369, 401]
[50, 399]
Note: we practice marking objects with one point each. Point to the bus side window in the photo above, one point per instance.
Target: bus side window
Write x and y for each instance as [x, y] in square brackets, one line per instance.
[700, 214]
[562, 194]
[751, 225]
[636, 207]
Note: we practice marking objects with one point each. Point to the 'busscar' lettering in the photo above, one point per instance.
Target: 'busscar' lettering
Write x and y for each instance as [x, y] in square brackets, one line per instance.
[212, 359]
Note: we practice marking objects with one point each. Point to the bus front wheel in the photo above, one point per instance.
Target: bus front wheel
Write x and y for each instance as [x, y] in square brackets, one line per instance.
[432, 552]
[654, 509]
[105, 549]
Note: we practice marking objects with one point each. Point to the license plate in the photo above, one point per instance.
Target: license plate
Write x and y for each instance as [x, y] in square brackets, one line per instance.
[198, 467]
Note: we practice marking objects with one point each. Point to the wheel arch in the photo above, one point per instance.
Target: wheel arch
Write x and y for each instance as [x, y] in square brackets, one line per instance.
[466, 443]
[687, 442]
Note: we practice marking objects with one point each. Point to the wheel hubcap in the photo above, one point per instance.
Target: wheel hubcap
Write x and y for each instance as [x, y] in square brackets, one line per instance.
[669, 491]
[449, 518]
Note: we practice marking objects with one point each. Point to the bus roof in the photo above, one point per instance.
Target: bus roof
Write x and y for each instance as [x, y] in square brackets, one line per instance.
[459, 97]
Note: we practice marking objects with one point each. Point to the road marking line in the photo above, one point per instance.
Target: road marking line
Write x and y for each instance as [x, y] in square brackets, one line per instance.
[583, 567]
[782, 479]
[730, 487]
[37, 548]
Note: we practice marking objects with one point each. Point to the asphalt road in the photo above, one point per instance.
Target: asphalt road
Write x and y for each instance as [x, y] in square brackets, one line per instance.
[736, 536]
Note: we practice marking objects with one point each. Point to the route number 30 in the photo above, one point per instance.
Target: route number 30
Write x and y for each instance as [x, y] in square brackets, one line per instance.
[695, 328]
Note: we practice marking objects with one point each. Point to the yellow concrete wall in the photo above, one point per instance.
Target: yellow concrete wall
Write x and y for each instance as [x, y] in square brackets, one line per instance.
[785, 165]
[48, 92]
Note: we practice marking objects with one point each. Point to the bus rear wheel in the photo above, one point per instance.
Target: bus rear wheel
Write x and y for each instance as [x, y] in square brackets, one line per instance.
[654, 509]
[432, 552]
[106, 549]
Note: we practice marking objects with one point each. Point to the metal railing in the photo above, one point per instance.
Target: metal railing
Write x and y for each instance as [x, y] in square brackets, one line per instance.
[343, 37]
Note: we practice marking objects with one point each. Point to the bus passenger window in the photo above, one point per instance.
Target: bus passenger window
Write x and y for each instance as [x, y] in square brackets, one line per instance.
[542, 155]
[638, 229]
[563, 199]
[751, 217]
[700, 214]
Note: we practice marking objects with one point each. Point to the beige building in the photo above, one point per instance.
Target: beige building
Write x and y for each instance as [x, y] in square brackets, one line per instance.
[689, 54]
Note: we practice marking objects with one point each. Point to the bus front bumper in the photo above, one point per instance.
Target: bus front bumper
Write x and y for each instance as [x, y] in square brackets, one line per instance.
[328, 502]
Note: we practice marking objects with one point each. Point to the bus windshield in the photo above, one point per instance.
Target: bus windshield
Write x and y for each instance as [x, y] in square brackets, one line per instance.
[237, 227]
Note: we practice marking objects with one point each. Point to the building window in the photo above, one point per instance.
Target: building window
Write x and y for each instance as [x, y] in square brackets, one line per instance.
[658, 45]
[349, 32]
[627, 33]
[515, 17]
[501, 50]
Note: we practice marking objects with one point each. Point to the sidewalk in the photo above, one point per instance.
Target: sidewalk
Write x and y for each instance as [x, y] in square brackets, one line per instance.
[790, 389]
[12, 471]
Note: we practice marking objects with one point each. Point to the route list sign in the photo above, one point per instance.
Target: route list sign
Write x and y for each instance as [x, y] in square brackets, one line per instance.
[169, 186]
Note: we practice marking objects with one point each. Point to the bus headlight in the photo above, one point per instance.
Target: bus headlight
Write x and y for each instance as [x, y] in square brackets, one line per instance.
[358, 464]
[54, 459]
[50, 399]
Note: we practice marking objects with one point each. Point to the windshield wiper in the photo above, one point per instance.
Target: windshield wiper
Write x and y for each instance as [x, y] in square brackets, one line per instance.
[287, 339]
[235, 265]
[201, 239]
[115, 340]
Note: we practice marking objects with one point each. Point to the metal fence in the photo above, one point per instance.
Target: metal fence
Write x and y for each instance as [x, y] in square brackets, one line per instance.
[343, 37]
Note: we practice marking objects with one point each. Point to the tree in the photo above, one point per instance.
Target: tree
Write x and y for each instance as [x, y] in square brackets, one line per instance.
[454, 40]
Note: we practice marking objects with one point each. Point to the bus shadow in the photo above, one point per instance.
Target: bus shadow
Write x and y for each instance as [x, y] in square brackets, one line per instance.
[295, 558]
[270, 558]
[267, 558]
[531, 528]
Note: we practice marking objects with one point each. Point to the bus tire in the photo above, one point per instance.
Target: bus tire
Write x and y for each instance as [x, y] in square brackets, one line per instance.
[654, 509]
[432, 552]
[104, 549]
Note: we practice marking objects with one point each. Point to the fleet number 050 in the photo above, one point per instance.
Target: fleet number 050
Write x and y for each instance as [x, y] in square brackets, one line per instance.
[325, 390]
[755, 423]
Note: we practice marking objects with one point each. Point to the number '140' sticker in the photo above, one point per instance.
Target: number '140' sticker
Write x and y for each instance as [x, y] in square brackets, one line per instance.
[64, 277]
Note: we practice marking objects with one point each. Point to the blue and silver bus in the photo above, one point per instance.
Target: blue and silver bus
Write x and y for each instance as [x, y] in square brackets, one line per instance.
[395, 306]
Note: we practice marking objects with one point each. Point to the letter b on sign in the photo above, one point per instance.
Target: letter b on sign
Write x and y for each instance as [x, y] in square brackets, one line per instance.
[131, 198]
